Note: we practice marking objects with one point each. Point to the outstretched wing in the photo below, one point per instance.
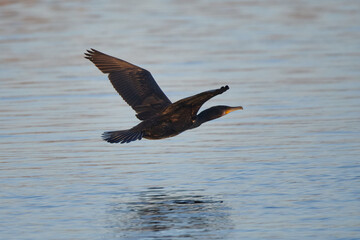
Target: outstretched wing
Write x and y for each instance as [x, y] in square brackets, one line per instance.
[134, 84]
[194, 103]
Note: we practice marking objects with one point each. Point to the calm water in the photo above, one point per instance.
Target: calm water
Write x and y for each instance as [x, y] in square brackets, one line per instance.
[287, 167]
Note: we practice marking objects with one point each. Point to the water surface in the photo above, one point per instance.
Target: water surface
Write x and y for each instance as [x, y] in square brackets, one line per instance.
[287, 167]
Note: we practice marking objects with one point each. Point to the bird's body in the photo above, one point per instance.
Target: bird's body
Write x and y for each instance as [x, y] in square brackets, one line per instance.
[160, 118]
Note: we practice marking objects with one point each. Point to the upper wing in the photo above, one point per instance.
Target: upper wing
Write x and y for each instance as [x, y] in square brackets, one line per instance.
[194, 103]
[134, 84]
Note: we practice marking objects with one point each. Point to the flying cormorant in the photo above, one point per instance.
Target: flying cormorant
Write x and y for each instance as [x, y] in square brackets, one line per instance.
[160, 118]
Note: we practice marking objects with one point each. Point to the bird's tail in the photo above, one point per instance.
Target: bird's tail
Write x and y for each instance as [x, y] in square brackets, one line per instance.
[122, 136]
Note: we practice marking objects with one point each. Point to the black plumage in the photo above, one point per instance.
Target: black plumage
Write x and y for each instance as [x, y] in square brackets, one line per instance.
[160, 117]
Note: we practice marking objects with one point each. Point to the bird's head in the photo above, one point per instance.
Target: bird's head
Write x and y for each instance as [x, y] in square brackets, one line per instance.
[228, 109]
[221, 110]
[213, 113]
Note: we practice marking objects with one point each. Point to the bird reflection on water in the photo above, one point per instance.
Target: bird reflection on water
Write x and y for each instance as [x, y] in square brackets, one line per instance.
[162, 214]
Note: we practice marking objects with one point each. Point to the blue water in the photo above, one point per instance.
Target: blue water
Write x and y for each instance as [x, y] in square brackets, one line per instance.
[286, 167]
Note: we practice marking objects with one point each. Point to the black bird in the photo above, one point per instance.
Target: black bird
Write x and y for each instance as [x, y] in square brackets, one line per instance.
[160, 118]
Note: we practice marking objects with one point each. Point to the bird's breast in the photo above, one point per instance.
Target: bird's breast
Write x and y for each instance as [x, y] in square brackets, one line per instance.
[168, 126]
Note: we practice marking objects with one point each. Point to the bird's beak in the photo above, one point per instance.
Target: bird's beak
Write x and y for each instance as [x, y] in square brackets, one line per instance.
[231, 109]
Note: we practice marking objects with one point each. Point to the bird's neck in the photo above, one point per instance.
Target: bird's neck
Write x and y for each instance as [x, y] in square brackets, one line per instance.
[204, 116]
[196, 123]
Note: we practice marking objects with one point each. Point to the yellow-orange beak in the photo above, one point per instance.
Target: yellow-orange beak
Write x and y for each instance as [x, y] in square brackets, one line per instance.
[231, 109]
